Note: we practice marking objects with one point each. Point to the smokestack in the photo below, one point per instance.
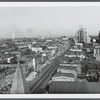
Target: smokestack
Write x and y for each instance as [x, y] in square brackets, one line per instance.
[13, 37]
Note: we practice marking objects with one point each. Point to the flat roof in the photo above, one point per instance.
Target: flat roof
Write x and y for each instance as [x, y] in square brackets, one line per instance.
[67, 67]
[64, 74]
[57, 87]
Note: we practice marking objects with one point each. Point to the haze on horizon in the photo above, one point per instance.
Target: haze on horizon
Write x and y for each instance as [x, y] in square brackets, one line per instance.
[40, 21]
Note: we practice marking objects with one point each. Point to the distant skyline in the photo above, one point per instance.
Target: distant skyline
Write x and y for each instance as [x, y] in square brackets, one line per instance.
[41, 21]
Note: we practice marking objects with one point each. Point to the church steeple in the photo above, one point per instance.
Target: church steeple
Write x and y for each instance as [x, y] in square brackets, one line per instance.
[19, 85]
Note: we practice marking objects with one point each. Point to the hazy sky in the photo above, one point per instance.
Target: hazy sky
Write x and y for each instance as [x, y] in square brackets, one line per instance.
[35, 21]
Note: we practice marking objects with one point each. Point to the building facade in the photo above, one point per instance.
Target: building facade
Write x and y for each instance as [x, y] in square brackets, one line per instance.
[82, 38]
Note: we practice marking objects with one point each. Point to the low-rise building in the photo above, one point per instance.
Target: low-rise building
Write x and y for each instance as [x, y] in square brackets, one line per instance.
[79, 44]
[98, 57]
[88, 47]
[36, 49]
[67, 69]
[23, 49]
[96, 50]
[63, 77]
[74, 87]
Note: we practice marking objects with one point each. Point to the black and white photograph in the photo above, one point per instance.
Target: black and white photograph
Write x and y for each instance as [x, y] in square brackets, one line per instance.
[51, 48]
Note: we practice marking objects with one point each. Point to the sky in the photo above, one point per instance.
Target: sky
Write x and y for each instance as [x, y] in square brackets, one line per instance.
[41, 21]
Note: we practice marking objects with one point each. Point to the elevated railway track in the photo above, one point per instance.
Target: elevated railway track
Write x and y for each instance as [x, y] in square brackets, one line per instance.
[44, 76]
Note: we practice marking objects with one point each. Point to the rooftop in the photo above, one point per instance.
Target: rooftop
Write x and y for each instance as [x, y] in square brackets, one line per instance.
[67, 67]
[89, 45]
[63, 74]
[74, 87]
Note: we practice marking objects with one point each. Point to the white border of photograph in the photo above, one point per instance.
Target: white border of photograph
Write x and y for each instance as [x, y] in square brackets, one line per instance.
[50, 4]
